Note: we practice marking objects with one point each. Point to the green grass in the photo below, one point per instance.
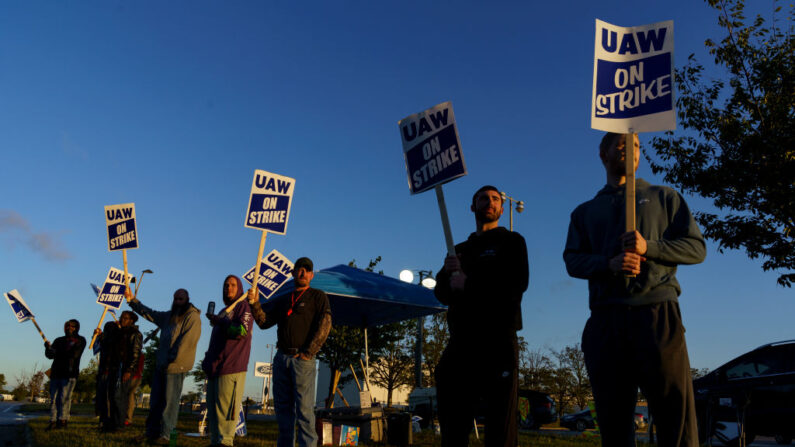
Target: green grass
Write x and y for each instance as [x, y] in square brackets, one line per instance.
[82, 432]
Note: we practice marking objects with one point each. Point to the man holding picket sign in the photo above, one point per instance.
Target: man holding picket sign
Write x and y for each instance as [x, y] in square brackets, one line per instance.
[180, 329]
[303, 322]
[65, 353]
[482, 285]
[482, 282]
[627, 242]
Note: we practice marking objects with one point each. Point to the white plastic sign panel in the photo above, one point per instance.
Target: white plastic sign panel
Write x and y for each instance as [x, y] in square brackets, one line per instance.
[274, 270]
[18, 306]
[96, 290]
[262, 369]
[122, 232]
[269, 203]
[431, 148]
[112, 292]
[633, 78]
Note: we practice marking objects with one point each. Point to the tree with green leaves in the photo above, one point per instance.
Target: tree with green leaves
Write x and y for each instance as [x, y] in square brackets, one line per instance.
[535, 368]
[436, 337]
[737, 144]
[3, 383]
[150, 357]
[572, 359]
[395, 365]
[86, 385]
[198, 374]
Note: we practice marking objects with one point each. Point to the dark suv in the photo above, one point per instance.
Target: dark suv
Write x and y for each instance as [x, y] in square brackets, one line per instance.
[756, 388]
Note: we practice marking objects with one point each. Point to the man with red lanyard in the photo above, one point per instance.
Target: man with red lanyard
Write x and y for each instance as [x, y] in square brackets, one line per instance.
[303, 323]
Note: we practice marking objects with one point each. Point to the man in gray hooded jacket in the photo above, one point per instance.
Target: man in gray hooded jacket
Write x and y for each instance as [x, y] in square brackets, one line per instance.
[635, 337]
[180, 329]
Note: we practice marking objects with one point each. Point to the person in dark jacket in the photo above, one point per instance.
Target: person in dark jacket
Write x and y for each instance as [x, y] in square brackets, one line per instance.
[482, 285]
[303, 324]
[634, 336]
[130, 351]
[226, 362]
[107, 376]
[65, 353]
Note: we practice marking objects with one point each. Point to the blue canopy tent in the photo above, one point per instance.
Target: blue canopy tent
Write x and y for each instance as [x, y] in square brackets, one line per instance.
[365, 299]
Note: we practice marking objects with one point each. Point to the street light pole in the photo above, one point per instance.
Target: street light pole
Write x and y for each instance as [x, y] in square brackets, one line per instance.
[426, 277]
[511, 201]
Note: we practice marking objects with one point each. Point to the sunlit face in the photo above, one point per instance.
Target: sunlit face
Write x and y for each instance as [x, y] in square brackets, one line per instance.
[125, 320]
[614, 158]
[302, 277]
[230, 289]
[488, 206]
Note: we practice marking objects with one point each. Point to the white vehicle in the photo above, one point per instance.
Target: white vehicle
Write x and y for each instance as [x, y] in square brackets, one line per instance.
[6, 397]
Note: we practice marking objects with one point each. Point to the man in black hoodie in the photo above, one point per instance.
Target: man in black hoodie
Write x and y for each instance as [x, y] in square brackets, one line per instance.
[65, 353]
[634, 336]
[482, 286]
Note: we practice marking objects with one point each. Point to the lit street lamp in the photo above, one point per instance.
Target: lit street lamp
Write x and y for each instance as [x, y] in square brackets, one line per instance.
[511, 201]
[427, 281]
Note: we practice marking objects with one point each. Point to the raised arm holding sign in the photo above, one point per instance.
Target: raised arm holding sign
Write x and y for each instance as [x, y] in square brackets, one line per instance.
[111, 294]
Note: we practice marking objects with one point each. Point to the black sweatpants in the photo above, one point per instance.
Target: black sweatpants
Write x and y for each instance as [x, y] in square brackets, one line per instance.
[471, 377]
[640, 346]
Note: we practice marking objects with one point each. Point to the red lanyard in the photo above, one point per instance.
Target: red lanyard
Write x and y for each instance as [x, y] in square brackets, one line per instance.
[294, 300]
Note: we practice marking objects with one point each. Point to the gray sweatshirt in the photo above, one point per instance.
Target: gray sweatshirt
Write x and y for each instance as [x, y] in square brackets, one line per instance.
[662, 218]
[176, 351]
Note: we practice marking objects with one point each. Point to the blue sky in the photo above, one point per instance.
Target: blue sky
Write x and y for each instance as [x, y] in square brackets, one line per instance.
[172, 105]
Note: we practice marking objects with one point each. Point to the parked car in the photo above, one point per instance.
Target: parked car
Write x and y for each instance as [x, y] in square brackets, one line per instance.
[582, 420]
[542, 409]
[422, 402]
[759, 384]
[579, 421]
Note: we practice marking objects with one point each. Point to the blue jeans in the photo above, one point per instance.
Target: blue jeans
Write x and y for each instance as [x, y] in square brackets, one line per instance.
[164, 404]
[294, 400]
[61, 398]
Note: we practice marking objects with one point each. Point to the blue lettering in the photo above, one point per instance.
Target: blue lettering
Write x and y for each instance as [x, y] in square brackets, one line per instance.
[424, 126]
[284, 186]
[260, 181]
[110, 214]
[127, 213]
[653, 38]
[413, 135]
[628, 45]
[609, 40]
[440, 118]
